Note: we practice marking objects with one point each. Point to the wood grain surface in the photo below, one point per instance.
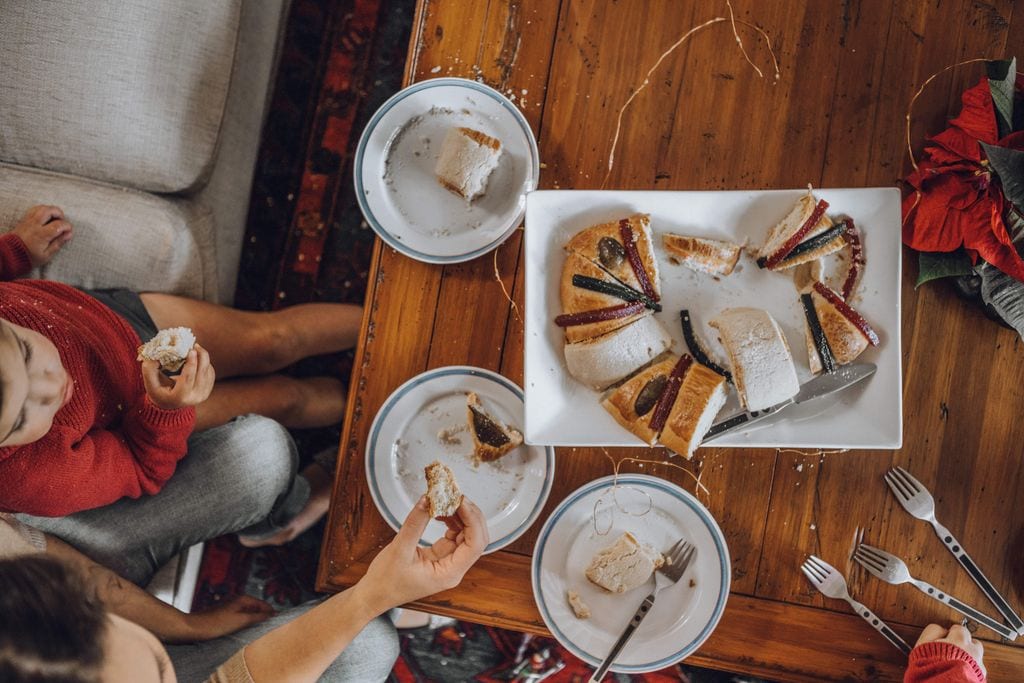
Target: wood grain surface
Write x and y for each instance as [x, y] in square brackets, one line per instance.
[835, 118]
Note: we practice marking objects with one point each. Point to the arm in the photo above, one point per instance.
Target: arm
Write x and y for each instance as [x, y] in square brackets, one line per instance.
[37, 237]
[169, 624]
[946, 656]
[301, 650]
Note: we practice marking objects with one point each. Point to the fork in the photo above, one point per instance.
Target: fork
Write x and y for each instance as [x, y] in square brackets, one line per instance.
[892, 569]
[916, 500]
[678, 558]
[831, 583]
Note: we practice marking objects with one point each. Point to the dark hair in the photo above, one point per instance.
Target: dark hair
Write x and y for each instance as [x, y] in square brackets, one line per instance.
[50, 632]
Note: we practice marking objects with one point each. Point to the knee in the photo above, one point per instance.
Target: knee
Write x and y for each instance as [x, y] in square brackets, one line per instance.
[369, 657]
[276, 345]
[265, 456]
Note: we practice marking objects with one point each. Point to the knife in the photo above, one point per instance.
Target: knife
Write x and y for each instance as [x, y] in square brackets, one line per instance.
[822, 385]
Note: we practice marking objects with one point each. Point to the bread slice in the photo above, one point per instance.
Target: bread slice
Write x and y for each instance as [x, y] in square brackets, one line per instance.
[701, 396]
[601, 362]
[714, 257]
[443, 494]
[169, 347]
[491, 438]
[603, 245]
[624, 565]
[632, 403]
[467, 159]
[578, 300]
[791, 224]
[846, 341]
[762, 365]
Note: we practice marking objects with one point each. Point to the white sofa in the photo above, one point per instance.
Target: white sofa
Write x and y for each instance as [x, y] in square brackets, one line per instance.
[141, 119]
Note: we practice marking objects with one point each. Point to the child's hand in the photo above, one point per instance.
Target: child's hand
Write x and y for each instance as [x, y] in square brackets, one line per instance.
[191, 387]
[44, 231]
[955, 635]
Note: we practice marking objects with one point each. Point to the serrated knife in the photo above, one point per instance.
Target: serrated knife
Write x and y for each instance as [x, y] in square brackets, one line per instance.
[822, 385]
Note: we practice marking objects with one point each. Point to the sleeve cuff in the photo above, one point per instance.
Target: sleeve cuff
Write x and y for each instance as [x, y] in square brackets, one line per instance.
[946, 652]
[14, 258]
[151, 413]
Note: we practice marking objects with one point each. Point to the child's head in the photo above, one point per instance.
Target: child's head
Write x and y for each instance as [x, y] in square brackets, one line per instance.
[33, 385]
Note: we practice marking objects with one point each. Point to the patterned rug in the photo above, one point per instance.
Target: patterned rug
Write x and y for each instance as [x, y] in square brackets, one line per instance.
[307, 241]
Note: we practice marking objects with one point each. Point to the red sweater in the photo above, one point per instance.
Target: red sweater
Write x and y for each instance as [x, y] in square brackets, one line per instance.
[110, 440]
[942, 663]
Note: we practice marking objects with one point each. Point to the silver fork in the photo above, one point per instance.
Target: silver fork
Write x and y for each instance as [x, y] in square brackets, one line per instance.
[831, 583]
[916, 500]
[678, 558]
[892, 569]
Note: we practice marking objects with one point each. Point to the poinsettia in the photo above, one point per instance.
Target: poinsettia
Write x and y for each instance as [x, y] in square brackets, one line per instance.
[957, 201]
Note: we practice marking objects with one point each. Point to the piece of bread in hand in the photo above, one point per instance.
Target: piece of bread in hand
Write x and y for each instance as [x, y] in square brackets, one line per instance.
[169, 347]
[701, 396]
[491, 438]
[632, 402]
[624, 565]
[579, 300]
[601, 362]
[443, 494]
[762, 365]
[714, 257]
[467, 159]
[603, 244]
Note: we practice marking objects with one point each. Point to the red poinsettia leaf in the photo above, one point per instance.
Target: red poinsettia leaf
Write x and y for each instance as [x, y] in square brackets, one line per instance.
[953, 144]
[977, 118]
[933, 224]
[993, 244]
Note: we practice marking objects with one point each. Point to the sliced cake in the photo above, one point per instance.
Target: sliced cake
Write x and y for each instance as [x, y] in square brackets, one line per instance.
[632, 403]
[610, 358]
[806, 233]
[701, 396]
[491, 438]
[586, 288]
[714, 257]
[624, 565]
[467, 159]
[762, 365]
[443, 494]
[624, 249]
[836, 334]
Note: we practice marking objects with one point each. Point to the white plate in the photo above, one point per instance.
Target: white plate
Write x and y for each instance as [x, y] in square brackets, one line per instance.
[683, 616]
[561, 411]
[394, 171]
[404, 438]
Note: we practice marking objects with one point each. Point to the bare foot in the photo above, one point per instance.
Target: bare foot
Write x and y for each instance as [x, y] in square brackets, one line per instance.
[316, 507]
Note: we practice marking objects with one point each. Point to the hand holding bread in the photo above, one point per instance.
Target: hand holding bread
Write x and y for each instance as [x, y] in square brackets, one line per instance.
[44, 231]
[190, 388]
[404, 571]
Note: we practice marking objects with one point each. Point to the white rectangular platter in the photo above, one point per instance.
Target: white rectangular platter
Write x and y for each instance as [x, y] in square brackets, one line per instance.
[563, 412]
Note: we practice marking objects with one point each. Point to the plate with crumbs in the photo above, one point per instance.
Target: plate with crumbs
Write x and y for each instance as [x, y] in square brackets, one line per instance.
[657, 513]
[426, 419]
[397, 163]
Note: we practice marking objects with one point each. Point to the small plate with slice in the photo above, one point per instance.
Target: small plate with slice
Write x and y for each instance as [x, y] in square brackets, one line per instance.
[658, 513]
[426, 419]
[395, 182]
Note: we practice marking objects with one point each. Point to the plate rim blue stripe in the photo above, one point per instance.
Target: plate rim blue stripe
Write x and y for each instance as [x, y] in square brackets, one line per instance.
[409, 385]
[673, 490]
[357, 172]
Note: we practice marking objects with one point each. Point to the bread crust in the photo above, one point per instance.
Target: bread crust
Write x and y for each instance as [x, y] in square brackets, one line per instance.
[620, 402]
[578, 300]
[715, 257]
[847, 342]
[791, 223]
[441, 485]
[605, 360]
[482, 451]
[701, 396]
[585, 243]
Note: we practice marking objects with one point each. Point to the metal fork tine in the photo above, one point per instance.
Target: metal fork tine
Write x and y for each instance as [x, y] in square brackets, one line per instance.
[897, 486]
[876, 552]
[911, 483]
[673, 552]
[684, 555]
[869, 560]
[820, 564]
[810, 575]
[813, 572]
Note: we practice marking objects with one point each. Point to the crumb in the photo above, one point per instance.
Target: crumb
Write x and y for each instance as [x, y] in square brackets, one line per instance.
[449, 436]
[693, 584]
[800, 467]
[579, 608]
[436, 69]
[813, 526]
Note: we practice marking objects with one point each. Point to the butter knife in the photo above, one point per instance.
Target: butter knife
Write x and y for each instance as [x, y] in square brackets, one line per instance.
[822, 385]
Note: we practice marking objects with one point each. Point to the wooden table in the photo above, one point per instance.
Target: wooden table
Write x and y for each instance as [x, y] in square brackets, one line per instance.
[835, 118]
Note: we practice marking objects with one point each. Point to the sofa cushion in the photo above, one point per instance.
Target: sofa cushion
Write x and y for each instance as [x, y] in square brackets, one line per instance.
[122, 238]
[129, 91]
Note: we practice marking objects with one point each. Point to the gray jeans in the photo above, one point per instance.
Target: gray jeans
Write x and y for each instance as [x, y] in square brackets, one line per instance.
[367, 659]
[239, 477]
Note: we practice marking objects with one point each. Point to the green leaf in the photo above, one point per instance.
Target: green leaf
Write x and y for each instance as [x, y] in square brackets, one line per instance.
[932, 265]
[1004, 294]
[1001, 78]
[1008, 164]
